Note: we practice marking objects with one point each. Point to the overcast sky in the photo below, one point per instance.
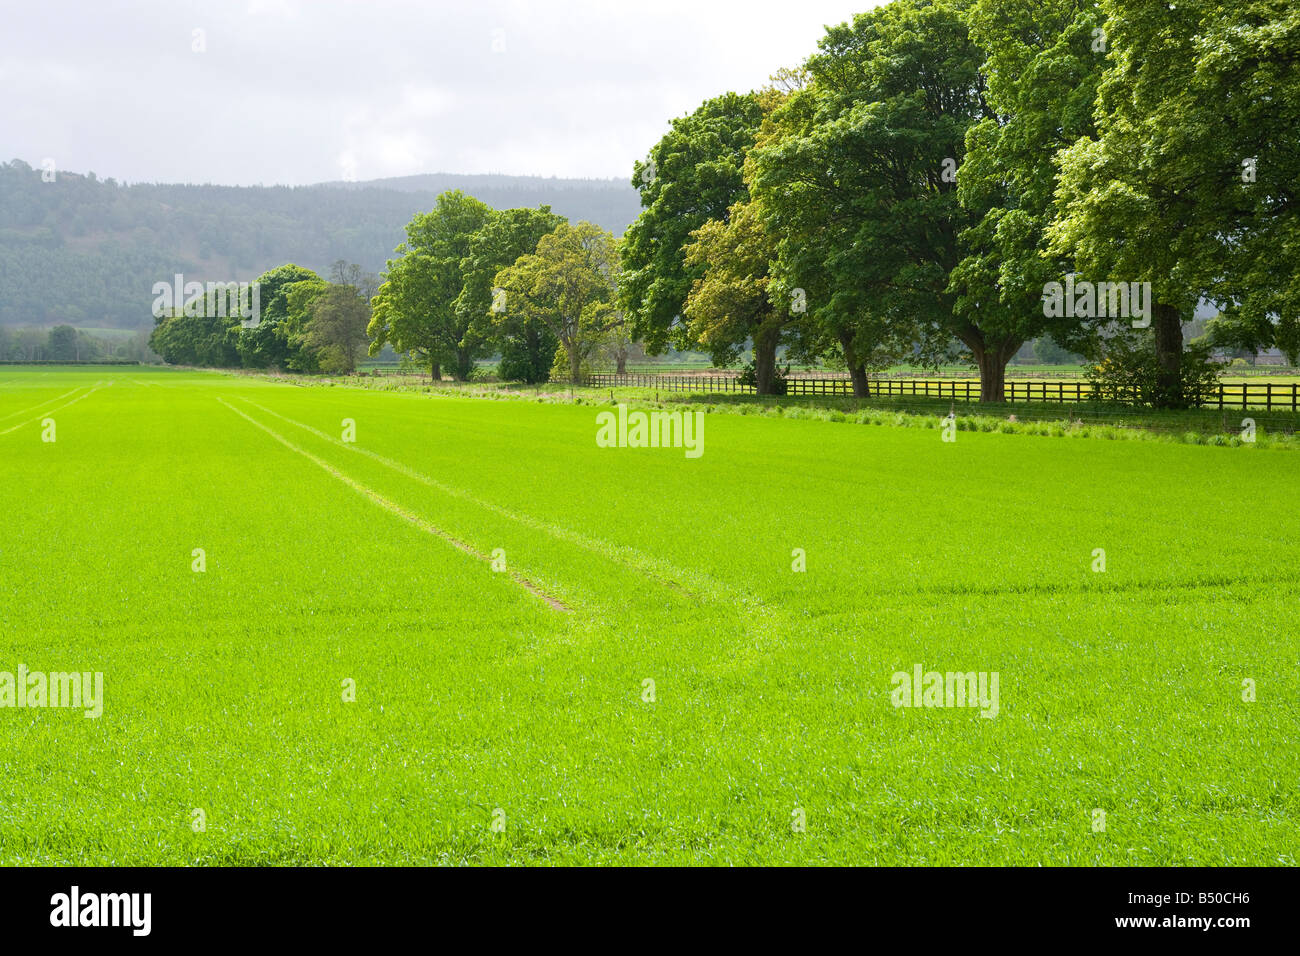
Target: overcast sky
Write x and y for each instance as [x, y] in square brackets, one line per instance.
[302, 91]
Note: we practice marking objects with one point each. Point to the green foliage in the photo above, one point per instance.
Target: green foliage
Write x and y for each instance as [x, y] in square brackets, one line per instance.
[526, 345]
[416, 307]
[570, 286]
[851, 178]
[1044, 59]
[730, 302]
[274, 342]
[299, 299]
[1239, 119]
[780, 379]
[336, 330]
[1126, 215]
[1128, 372]
[528, 354]
[501, 240]
[63, 343]
[82, 345]
[693, 175]
[198, 340]
[1157, 194]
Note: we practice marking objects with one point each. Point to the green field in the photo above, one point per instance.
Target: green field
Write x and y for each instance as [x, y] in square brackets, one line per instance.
[519, 697]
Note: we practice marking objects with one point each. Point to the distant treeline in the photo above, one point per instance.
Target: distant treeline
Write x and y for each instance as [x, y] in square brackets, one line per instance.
[66, 345]
[86, 251]
[470, 282]
[302, 323]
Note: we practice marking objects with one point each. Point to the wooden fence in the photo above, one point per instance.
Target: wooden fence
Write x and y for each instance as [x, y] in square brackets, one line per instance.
[1266, 395]
[380, 370]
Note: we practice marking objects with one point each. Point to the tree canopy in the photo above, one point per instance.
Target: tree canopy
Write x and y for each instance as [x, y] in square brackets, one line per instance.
[569, 285]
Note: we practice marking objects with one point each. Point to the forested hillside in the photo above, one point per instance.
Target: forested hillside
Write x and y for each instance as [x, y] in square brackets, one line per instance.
[86, 251]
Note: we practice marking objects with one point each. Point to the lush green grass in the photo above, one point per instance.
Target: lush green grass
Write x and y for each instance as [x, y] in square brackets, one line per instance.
[1213, 426]
[1119, 690]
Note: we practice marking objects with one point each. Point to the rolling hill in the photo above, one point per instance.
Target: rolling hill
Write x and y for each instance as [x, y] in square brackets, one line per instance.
[87, 251]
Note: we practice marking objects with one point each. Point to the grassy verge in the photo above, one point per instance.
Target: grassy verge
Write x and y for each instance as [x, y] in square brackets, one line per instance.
[1202, 426]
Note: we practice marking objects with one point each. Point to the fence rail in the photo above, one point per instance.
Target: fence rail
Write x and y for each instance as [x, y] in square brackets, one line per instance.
[393, 370]
[1270, 396]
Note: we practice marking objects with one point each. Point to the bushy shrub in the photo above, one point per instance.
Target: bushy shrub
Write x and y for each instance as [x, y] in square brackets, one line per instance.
[1127, 373]
[780, 378]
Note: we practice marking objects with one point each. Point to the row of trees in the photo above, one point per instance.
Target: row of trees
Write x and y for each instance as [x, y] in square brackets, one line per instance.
[306, 324]
[917, 185]
[66, 343]
[471, 281]
[937, 164]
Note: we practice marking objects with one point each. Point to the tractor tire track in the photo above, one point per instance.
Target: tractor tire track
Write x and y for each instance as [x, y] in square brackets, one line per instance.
[396, 509]
[656, 569]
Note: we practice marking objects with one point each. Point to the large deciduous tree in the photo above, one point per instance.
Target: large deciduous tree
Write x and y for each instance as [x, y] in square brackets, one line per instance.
[860, 189]
[569, 285]
[730, 303]
[733, 299]
[1043, 61]
[270, 343]
[416, 306]
[1156, 195]
[526, 345]
[1243, 114]
[337, 317]
[693, 175]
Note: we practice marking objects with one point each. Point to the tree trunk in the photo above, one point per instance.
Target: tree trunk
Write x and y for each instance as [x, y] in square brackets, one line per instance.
[435, 371]
[1168, 331]
[857, 371]
[765, 361]
[621, 358]
[861, 384]
[575, 365]
[464, 365]
[993, 375]
[992, 364]
[539, 360]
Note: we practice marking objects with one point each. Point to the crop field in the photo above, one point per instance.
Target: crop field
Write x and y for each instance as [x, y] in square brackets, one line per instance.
[350, 626]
